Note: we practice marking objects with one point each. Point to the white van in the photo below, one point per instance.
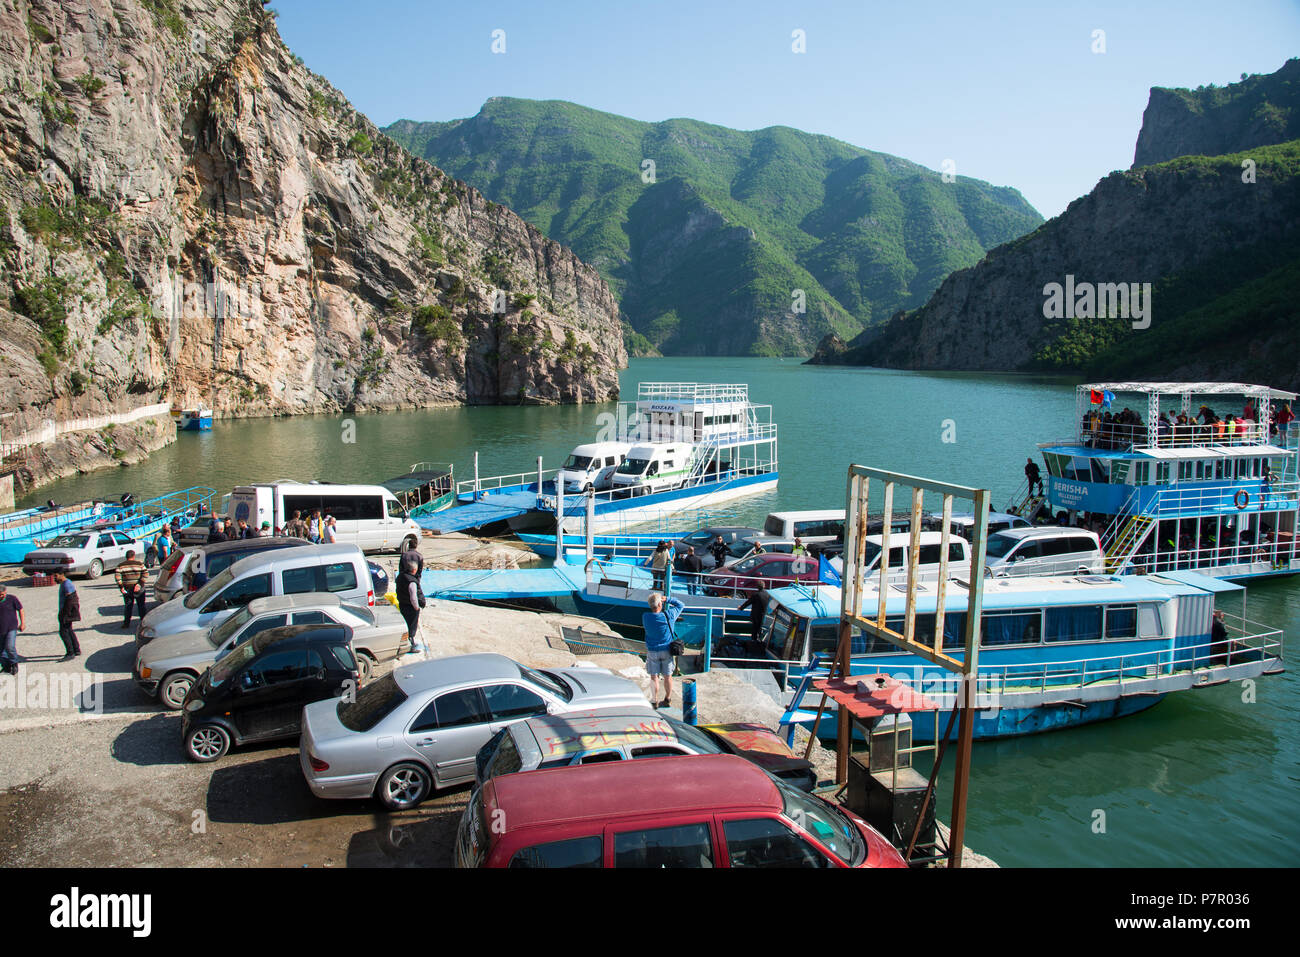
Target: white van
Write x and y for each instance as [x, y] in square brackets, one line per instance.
[1047, 550]
[899, 544]
[592, 466]
[336, 569]
[653, 468]
[963, 523]
[368, 516]
[825, 525]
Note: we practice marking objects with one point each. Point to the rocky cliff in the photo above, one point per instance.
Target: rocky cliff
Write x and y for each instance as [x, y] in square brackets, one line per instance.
[188, 214]
[1261, 110]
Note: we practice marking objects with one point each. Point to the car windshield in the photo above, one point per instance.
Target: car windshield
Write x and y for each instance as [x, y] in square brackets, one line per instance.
[69, 541]
[738, 548]
[544, 679]
[228, 627]
[825, 822]
[199, 598]
[373, 703]
[749, 564]
[577, 463]
[693, 737]
[869, 552]
[998, 545]
[231, 664]
[633, 466]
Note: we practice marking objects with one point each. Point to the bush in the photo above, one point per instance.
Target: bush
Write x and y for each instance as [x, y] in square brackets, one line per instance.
[89, 83]
[436, 324]
[360, 144]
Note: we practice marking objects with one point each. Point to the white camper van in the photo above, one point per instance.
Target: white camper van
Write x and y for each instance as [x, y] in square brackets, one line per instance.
[592, 466]
[653, 468]
[365, 515]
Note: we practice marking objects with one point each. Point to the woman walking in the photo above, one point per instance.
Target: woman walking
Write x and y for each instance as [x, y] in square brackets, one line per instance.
[410, 599]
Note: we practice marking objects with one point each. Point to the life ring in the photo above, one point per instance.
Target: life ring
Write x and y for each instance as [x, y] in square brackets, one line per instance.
[1241, 499]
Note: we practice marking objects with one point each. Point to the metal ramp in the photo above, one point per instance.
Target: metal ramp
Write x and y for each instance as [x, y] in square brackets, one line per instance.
[1125, 543]
[581, 641]
[488, 509]
[470, 584]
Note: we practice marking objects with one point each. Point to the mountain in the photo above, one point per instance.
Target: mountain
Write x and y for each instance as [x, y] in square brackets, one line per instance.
[1217, 238]
[1261, 110]
[707, 247]
[188, 214]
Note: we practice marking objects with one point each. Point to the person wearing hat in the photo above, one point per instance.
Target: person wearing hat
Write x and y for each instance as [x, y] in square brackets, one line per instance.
[12, 621]
[265, 530]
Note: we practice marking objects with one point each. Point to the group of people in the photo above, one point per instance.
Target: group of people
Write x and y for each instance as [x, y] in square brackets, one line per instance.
[1112, 430]
[316, 528]
[1106, 430]
[13, 620]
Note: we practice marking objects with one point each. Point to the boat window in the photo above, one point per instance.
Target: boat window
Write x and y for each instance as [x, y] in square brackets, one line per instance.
[1149, 621]
[1119, 472]
[1100, 470]
[781, 627]
[1053, 464]
[1010, 628]
[1218, 469]
[577, 463]
[1074, 623]
[1121, 621]
[1162, 473]
[923, 630]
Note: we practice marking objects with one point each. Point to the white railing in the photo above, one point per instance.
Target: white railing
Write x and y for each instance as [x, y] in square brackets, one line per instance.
[50, 430]
[1275, 555]
[498, 482]
[1121, 436]
[698, 392]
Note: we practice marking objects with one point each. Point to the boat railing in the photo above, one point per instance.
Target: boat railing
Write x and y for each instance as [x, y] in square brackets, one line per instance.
[1276, 555]
[1125, 437]
[495, 483]
[697, 392]
[36, 526]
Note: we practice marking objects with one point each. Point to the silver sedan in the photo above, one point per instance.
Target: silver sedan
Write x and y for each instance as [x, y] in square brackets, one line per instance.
[420, 727]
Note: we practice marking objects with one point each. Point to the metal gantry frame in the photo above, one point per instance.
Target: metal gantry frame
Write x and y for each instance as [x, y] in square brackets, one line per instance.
[852, 613]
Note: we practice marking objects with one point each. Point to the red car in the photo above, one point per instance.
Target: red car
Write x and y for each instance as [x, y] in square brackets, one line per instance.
[708, 810]
[769, 570]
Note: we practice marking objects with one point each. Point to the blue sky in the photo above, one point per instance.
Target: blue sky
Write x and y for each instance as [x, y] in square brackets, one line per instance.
[1011, 92]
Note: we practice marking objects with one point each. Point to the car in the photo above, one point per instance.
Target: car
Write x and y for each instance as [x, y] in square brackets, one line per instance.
[257, 692]
[338, 569]
[378, 577]
[421, 726]
[1044, 550]
[707, 810]
[702, 538]
[168, 667]
[86, 551]
[768, 570]
[196, 532]
[613, 734]
[190, 570]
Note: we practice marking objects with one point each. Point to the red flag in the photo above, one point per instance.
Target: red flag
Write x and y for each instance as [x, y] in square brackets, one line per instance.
[1096, 397]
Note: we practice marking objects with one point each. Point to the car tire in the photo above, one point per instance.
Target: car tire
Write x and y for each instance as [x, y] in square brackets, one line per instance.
[95, 570]
[365, 666]
[174, 688]
[207, 742]
[410, 544]
[403, 786]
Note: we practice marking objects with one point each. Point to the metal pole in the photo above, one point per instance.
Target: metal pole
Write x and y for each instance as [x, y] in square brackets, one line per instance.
[476, 476]
[539, 476]
[688, 700]
[591, 525]
[559, 520]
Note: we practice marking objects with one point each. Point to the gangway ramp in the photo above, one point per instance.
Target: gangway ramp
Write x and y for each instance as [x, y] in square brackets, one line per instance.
[497, 507]
[469, 584]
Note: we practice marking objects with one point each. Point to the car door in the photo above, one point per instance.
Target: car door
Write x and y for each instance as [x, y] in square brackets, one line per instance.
[122, 543]
[448, 733]
[687, 844]
[267, 694]
[235, 595]
[107, 552]
[769, 842]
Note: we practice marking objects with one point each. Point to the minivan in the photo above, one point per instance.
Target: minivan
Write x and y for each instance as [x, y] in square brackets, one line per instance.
[825, 525]
[190, 570]
[1047, 550]
[338, 569]
[368, 516]
[708, 810]
[258, 691]
[653, 468]
[900, 544]
[592, 467]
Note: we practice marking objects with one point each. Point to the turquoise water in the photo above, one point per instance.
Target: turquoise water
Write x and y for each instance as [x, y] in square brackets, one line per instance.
[1202, 778]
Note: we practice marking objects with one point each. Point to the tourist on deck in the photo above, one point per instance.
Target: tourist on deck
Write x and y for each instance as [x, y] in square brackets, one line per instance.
[1033, 476]
[410, 598]
[690, 567]
[659, 637]
[130, 577]
[1164, 429]
[1218, 640]
[718, 549]
[659, 566]
[1282, 419]
[69, 612]
[12, 621]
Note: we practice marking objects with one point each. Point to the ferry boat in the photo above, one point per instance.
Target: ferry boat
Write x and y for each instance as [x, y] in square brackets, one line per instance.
[1178, 475]
[690, 445]
[1054, 652]
[193, 420]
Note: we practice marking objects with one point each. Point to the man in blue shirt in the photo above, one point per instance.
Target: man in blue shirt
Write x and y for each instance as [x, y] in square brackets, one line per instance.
[12, 621]
[659, 635]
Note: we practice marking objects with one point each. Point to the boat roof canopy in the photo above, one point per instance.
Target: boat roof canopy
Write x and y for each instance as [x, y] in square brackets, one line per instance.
[1204, 451]
[1196, 388]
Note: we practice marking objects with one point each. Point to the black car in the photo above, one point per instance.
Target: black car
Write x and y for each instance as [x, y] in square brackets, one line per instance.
[258, 691]
[733, 537]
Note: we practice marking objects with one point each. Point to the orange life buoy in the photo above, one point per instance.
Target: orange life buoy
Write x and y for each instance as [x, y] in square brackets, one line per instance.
[1241, 499]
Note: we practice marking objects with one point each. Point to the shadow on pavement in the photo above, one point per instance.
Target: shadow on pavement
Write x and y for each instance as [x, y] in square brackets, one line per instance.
[424, 837]
[151, 742]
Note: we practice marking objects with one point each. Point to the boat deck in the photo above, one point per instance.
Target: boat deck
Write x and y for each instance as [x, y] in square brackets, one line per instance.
[496, 583]
[494, 507]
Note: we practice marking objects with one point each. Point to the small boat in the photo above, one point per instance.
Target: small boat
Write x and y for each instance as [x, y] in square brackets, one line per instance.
[193, 420]
[427, 488]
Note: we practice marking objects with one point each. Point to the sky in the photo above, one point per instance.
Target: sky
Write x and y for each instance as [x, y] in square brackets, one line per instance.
[1018, 93]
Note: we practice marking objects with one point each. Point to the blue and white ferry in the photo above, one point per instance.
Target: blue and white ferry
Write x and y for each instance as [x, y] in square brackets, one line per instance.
[193, 420]
[1054, 652]
[1178, 475]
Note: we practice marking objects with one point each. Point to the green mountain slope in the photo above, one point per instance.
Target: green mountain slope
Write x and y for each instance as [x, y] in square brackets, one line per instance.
[706, 255]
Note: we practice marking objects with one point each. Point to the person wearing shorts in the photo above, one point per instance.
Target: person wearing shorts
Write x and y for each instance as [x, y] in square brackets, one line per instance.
[659, 636]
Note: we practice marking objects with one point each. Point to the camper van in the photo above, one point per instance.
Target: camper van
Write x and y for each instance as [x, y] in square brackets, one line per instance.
[592, 466]
[653, 468]
[365, 515]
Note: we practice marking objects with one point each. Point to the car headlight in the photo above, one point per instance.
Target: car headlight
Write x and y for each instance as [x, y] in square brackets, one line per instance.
[194, 705]
[148, 634]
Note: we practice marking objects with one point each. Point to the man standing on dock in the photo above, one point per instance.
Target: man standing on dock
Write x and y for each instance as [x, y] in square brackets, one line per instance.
[757, 605]
[12, 621]
[659, 636]
[69, 611]
[130, 577]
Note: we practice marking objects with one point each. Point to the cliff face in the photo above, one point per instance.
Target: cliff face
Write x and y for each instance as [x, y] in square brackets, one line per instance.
[188, 214]
[1213, 121]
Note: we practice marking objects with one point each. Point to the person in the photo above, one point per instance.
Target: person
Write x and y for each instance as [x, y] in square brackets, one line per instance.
[260, 532]
[690, 566]
[416, 557]
[331, 530]
[214, 525]
[130, 577]
[1218, 639]
[315, 533]
[12, 621]
[1284, 417]
[69, 611]
[163, 544]
[799, 548]
[757, 605]
[218, 533]
[296, 527]
[241, 529]
[410, 598]
[659, 636]
[718, 549]
[1034, 476]
[659, 566]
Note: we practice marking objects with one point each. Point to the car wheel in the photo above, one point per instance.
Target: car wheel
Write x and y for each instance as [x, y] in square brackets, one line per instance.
[207, 742]
[410, 544]
[365, 666]
[173, 690]
[95, 570]
[403, 786]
